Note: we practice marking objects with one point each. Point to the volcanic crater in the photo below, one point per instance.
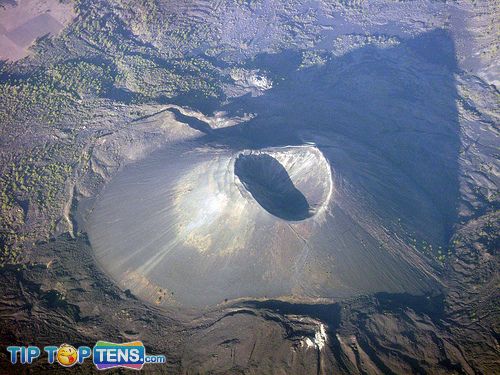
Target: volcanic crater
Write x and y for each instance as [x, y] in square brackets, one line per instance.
[293, 189]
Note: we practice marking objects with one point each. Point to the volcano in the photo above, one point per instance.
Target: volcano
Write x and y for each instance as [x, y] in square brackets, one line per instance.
[195, 227]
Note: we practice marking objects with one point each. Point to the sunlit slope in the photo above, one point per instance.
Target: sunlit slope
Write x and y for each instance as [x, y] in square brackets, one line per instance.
[196, 227]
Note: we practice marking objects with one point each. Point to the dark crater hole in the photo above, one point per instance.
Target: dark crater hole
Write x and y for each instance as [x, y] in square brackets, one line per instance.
[268, 182]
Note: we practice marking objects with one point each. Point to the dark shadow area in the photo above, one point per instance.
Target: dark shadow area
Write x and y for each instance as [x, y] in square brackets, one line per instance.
[269, 183]
[194, 99]
[397, 102]
[193, 122]
[431, 305]
[327, 313]
[121, 95]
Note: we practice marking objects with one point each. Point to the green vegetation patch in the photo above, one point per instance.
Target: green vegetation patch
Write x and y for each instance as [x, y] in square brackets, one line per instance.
[153, 79]
[38, 100]
[36, 183]
[82, 78]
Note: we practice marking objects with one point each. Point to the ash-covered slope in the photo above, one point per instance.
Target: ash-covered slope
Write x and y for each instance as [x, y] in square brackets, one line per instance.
[198, 227]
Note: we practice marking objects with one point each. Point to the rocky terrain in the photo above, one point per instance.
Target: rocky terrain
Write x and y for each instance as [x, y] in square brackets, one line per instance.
[400, 99]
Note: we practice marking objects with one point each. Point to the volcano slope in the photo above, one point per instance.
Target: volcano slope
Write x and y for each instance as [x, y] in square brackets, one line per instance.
[197, 227]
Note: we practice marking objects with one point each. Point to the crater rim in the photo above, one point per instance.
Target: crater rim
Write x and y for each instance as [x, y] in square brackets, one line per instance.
[291, 183]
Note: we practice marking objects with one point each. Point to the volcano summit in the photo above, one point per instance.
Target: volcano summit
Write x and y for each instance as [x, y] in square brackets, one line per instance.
[294, 189]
